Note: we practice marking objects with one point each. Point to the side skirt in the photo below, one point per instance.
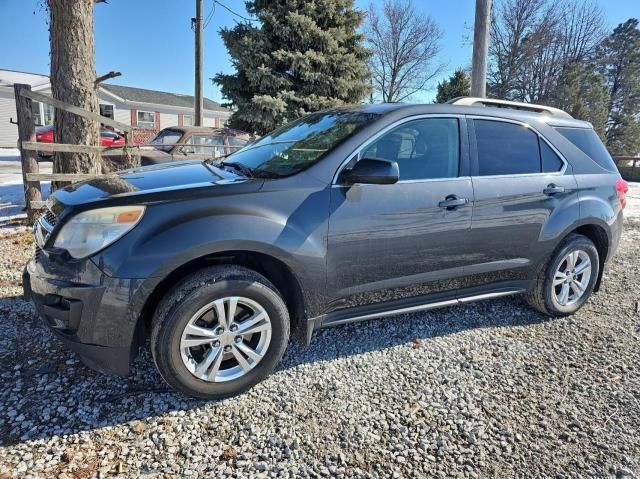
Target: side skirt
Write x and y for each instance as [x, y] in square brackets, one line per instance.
[352, 316]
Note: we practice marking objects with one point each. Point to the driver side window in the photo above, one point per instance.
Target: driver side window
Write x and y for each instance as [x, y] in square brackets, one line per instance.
[428, 148]
[205, 144]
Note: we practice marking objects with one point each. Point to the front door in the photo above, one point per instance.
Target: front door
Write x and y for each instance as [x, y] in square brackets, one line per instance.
[406, 240]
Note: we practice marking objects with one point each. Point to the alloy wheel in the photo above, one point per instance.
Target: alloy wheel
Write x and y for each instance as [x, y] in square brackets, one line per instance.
[225, 339]
[572, 277]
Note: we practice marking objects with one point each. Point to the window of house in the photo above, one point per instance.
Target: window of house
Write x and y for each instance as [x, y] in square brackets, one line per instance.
[506, 148]
[187, 120]
[37, 114]
[424, 149]
[42, 113]
[146, 119]
[106, 110]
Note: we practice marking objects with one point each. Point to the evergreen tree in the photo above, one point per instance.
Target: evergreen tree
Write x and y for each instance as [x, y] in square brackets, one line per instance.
[300, 56]
[619, 58]
[457, 85]
[583, 95]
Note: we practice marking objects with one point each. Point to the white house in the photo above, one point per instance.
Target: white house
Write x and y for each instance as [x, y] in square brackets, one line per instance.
[147, 111]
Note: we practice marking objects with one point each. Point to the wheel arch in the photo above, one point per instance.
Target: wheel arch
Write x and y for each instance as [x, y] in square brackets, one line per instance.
[272, 268]
[599, 235]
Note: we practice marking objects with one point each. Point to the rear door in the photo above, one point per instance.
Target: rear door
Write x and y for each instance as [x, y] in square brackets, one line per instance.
[403, 241]
[521, 186]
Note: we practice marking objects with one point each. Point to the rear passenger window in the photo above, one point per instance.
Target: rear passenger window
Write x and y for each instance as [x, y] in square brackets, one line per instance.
[506, 148]
[550, 161]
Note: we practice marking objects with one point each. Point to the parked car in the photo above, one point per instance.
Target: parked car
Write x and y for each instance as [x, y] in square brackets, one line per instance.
[108, 138]
[192, 142]
[345, 215]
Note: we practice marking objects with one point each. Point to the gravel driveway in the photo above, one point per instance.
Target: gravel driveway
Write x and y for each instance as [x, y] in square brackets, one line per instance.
[491, 389]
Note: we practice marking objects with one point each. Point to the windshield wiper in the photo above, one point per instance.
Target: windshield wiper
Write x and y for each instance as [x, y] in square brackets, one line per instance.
[243, 169]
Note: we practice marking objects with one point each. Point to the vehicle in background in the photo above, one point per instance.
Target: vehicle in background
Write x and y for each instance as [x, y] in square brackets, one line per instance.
[192, 143]
[108, 138]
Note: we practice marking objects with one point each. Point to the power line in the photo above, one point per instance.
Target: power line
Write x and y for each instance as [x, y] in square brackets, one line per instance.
[210, 16]
[234, 13]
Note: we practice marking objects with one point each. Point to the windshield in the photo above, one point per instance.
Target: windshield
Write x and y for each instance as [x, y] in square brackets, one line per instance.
[165, 140]
[300, 144]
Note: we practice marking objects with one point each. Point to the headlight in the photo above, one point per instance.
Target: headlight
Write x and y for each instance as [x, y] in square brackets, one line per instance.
[89, 232]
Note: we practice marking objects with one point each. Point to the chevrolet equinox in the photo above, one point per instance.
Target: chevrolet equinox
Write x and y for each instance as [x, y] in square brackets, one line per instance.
[344, 215]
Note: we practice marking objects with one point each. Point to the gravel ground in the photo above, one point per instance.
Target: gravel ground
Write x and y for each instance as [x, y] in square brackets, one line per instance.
[491, 389]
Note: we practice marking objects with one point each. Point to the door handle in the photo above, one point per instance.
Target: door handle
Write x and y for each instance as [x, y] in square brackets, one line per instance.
[452, 201]
[552, 189]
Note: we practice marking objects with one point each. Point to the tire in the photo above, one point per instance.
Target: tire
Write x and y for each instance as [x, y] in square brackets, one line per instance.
[189, 298]
[545, 297]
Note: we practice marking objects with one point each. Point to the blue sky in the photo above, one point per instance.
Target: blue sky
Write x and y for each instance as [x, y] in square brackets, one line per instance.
[151, 43]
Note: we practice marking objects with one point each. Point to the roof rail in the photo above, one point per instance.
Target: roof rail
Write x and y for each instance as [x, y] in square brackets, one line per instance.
[475, 101]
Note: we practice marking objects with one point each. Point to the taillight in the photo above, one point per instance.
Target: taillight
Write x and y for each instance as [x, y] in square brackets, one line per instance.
[621, 188]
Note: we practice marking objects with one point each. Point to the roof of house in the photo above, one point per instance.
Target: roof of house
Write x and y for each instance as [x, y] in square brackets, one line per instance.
[136, 95]
[9, 77]
[142, 95]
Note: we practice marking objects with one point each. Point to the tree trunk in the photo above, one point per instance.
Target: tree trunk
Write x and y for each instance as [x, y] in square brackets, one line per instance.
[73, 75]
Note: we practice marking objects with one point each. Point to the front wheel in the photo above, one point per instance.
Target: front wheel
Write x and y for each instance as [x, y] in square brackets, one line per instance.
[568, 279]
[219, 332]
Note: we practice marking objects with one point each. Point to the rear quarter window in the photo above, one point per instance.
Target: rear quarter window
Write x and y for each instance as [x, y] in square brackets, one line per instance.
[550, 161]
[589, 143]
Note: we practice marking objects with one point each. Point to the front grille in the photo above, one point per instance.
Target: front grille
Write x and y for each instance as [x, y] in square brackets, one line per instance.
[50, 218]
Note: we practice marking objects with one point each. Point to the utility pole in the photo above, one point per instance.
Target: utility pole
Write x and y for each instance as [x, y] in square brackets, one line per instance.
[480, 48]
[198, 118]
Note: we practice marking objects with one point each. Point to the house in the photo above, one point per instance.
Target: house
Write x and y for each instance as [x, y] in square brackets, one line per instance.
[147, 111]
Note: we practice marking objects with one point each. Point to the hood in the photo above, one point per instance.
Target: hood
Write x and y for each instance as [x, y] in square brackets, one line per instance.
[167, 181]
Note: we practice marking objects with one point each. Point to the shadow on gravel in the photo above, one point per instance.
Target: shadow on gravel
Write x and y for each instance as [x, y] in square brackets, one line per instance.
[46, 391]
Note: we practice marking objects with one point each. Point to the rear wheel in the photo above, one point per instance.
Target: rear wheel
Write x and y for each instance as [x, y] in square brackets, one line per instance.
[568, 279]
[219, 332]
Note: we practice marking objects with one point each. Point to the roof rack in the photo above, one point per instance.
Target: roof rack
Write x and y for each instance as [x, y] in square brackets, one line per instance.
[475, 101]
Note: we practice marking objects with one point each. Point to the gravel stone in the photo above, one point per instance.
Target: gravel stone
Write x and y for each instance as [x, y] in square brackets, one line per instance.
[491, 389]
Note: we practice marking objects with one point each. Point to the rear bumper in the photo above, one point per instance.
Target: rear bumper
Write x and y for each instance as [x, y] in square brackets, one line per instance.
[92, 314]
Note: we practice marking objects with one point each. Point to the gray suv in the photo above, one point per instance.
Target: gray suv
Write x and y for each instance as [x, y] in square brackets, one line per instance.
[345, 215]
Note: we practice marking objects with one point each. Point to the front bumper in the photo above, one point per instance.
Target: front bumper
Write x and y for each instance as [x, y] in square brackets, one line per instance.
[91, 313]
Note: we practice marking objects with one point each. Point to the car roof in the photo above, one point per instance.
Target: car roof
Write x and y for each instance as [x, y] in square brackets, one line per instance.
[407, 109]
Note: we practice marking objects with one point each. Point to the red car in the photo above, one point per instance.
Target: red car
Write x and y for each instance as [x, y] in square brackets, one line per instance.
[44, 134]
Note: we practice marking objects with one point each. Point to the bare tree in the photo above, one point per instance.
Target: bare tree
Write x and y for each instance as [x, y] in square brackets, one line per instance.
[582, 27]
[533, 42]
[73, 76]
[405, 44]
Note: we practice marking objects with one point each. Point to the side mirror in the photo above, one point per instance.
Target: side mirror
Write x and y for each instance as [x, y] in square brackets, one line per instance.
[373, 171]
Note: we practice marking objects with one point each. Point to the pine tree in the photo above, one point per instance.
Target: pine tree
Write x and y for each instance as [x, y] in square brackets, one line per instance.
[619, 57]
[300, 56]
[582, 93]
[457, 85]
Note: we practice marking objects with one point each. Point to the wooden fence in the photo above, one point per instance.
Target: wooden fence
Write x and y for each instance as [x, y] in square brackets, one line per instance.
[31, 175]
[29, 147]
